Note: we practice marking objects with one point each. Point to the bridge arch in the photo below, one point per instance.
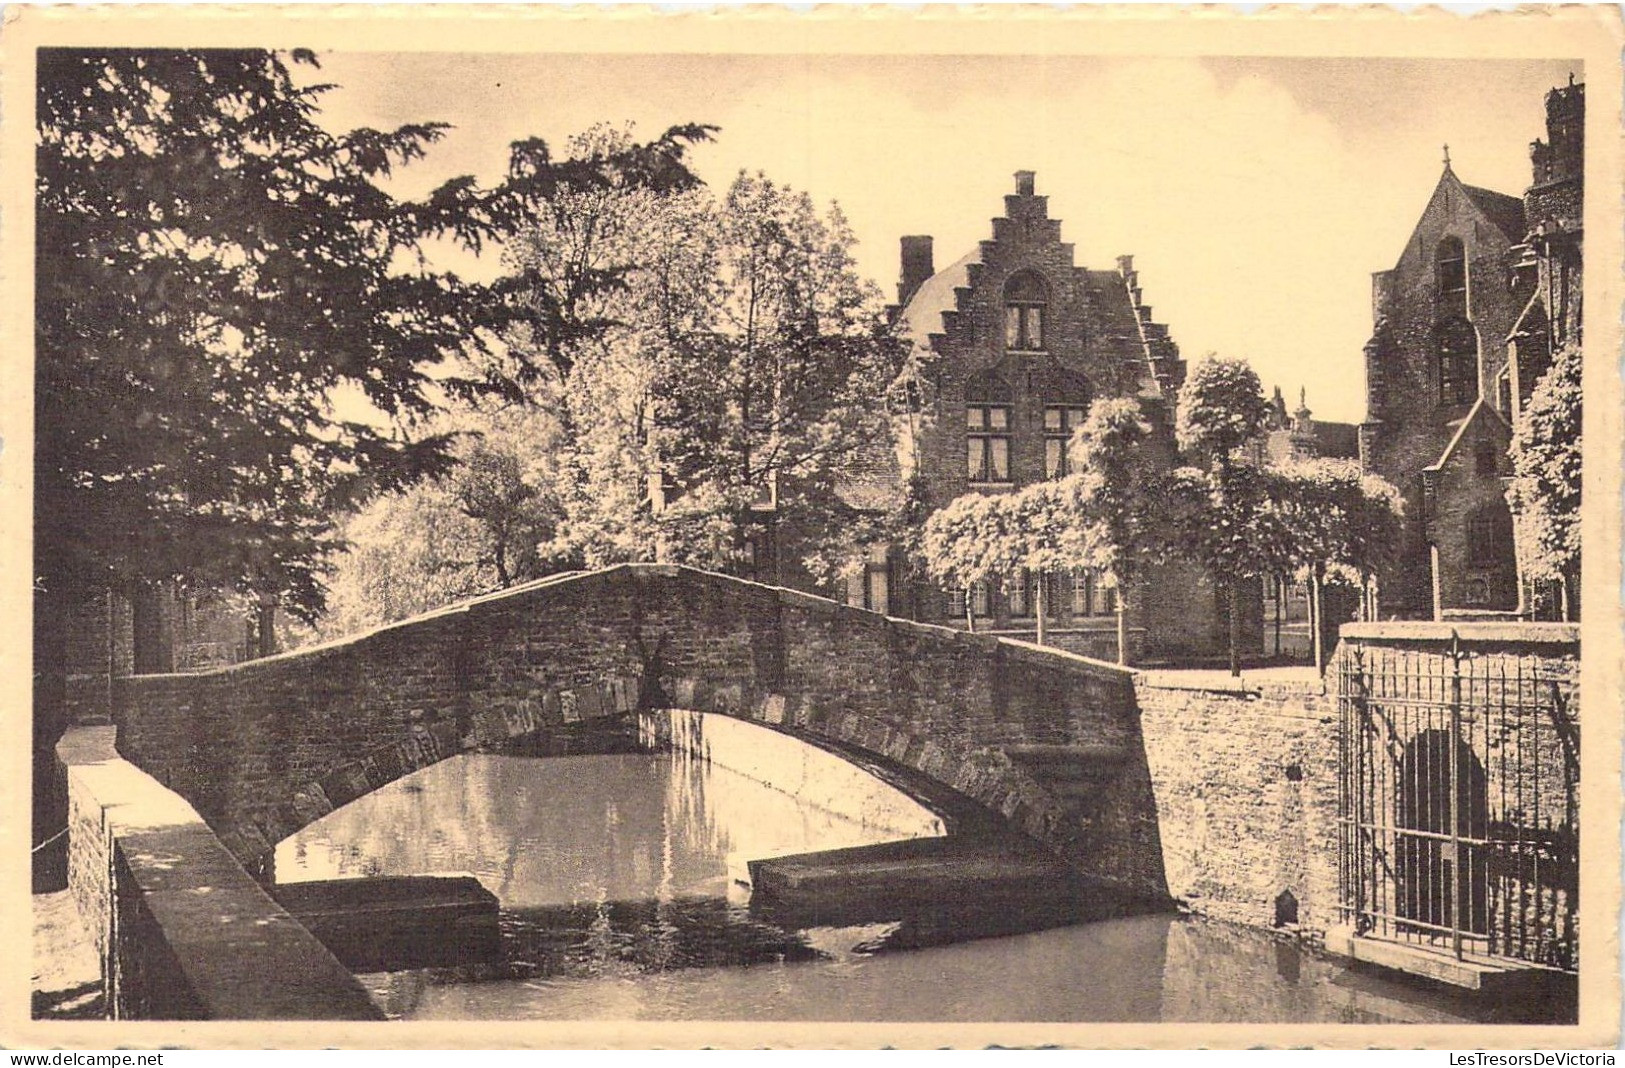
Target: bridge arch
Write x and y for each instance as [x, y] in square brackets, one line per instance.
[1042, 739]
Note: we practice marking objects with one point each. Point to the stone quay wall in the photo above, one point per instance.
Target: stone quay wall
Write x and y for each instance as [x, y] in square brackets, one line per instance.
[182, 931]
[1245, 773]
[264, 748]
[1245, 777]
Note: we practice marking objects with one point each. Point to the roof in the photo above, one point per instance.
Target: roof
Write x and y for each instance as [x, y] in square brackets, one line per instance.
[872, 478]
[923, 313]
[1461, 431]
[1506, 212]
[1337, 440]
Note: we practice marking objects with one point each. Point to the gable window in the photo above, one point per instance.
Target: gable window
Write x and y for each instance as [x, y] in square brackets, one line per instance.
[1486, 459]
[1450, 267]
[987, 440]
[1489, 537]
[1457, 345]
[1026, 303]
[1060, 421]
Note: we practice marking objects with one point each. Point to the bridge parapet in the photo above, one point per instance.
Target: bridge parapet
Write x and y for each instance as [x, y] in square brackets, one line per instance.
[264, 748]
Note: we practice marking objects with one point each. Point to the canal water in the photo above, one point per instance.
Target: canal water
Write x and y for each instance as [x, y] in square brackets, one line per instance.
[624, 895]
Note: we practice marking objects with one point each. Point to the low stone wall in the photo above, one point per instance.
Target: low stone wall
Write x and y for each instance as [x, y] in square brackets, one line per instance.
[181, 929]
[1245, 779]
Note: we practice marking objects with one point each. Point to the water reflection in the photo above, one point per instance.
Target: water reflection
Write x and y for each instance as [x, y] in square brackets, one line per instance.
[619, 883]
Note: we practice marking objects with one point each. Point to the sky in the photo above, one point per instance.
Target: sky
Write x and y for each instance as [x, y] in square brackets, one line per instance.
[1257, 195]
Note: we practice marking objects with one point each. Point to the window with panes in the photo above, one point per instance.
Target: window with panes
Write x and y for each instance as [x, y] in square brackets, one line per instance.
[987, 442]
[1026, 302]
[1489, 536]
[1458, 362]
[1060, 421]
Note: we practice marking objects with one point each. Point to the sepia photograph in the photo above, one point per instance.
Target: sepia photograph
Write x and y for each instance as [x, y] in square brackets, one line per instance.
[866, 526]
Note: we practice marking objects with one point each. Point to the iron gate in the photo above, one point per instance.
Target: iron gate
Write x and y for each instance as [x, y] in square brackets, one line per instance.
[1459, 818]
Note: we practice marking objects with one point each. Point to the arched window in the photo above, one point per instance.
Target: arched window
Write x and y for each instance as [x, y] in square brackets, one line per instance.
[1026, 303]
[1450, 267]
[1457, 345]
[1486, 458]
[1489, 536]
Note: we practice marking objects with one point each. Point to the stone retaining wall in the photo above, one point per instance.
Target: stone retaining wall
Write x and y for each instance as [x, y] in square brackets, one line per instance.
[1245, 778]
[1245, 773]
[182, 931]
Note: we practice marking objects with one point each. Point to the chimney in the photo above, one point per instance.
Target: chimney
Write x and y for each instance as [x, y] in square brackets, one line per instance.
[1024, 183]
[917, 267]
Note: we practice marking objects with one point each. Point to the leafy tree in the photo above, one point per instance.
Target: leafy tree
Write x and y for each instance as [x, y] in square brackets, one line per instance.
[1545, 490]
[237, 337]
[738, 364]
[961, 545]
[1339, 525]
[1108, 452]
[1223, 503]
[217, 274]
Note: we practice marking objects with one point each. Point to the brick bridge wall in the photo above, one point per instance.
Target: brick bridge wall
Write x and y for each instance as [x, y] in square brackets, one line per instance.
[264, 748]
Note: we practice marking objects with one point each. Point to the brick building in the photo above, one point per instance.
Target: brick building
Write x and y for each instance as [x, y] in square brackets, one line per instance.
[1464, 324]
[1014, 342]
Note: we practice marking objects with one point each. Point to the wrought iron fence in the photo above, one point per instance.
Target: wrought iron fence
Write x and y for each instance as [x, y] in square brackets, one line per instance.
[1459, 817]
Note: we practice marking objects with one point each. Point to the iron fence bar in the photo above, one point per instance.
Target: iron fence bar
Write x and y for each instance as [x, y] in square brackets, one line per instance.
[1439, 927]
[1457, 881]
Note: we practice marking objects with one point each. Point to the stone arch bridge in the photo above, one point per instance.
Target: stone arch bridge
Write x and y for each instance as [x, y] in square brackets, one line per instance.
[1044, 740]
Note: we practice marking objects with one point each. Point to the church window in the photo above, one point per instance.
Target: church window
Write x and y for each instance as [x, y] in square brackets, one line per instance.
[987, 437]
[1489, 536]
[1458, 361]
[1060, 423]
[1026, 304]
[1486, 459]
[1450, 263]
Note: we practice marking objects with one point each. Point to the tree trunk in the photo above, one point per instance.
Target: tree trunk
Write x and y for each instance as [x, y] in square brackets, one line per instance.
[1317, 622]
[1280, 595]
[1122, 629]
[1235, 627]
[265, 627]
[1563, 587]
[970, 610]
[1042, 606]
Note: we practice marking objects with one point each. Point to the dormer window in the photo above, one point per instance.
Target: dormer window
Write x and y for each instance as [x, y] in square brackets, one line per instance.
[1026, 303]
[1450, 264]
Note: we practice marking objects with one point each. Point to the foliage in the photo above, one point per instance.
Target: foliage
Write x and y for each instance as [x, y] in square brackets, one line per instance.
[738, 364]
[1221, 409]
[237, 336]
[1342, 524]
[962, 543]
[1109, 453]
[1545, 490]
[489, 522]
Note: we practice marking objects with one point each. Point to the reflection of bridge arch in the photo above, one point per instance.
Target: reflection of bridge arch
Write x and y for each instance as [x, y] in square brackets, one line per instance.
[1042, 739]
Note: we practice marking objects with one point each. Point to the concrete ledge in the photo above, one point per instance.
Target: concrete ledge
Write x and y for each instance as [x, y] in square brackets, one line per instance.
[1497, 978]
[1427, 631]
[183, 930]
